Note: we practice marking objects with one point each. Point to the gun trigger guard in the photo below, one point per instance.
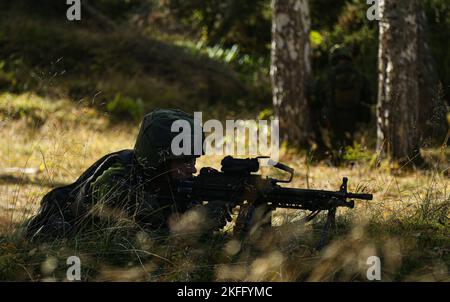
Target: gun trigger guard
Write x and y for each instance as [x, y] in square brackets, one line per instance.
[351, 204]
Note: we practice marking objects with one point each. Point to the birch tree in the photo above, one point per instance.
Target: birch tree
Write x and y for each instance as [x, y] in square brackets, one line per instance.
[291, 69]
[398, 90]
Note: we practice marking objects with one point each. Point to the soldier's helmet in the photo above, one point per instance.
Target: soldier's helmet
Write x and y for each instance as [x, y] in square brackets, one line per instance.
[339, 52]
[154, 142]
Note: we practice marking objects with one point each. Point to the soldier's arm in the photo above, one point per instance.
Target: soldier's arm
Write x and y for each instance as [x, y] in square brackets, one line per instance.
[366, 101]
[366, 93]
[319, 102]
[110, 188]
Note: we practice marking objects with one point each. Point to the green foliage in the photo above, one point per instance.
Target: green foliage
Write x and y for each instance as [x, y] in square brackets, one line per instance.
[51, 58]
[7, 78]
[31, 109]
[252, 70]
[347, 26]
[216, 52]
[228, 23]
[316, 38]
[357, 153]
[36, 111]
[125, 107]
[265, 114]
[438, 13]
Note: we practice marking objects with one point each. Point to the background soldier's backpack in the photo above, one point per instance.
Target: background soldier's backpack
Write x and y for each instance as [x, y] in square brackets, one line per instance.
[57, 216]
[347, 89]
[349, 96]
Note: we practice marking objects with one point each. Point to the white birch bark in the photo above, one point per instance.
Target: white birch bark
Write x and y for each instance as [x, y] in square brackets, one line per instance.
[291, 68]
[398, 90]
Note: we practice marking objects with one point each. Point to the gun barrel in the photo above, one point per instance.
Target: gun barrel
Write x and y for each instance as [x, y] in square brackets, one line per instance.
[313, 199]
[309, 193]
[360, 196]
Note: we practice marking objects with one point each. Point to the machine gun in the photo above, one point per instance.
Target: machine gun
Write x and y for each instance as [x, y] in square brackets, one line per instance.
[238, 184]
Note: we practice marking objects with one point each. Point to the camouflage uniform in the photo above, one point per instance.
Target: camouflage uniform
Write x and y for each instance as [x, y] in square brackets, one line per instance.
[133, 184]
[343, 99]
[137, 189]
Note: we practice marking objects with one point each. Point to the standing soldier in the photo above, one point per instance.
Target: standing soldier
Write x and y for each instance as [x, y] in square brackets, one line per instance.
[343, 100]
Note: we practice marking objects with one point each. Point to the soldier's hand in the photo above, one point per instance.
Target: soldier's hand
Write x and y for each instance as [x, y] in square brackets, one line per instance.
[219, 213]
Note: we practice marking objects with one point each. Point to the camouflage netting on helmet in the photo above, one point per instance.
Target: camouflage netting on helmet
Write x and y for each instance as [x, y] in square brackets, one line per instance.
[338, 52]
[153, 144]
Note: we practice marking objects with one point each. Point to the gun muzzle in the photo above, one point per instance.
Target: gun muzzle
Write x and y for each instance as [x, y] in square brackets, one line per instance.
[360, 196]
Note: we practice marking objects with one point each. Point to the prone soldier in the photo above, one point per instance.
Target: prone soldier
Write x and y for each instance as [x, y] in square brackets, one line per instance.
[130, 183]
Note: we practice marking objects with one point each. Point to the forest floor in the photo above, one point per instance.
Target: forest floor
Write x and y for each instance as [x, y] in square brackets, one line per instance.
[406, 225]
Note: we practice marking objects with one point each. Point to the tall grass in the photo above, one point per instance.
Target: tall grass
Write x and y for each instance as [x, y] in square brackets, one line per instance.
[406, 225]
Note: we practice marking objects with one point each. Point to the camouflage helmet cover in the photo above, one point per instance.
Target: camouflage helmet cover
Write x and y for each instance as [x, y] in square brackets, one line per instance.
[153, 143]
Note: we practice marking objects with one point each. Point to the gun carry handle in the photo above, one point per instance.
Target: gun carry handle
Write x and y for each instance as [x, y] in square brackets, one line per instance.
[284, 168]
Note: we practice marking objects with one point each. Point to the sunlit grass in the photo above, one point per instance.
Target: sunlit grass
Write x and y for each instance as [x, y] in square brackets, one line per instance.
[406, 224]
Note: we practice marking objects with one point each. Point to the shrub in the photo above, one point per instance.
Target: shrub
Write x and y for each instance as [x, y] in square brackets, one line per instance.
[125, 107]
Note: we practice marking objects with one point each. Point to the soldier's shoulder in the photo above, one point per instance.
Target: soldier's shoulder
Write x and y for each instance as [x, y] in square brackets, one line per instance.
[116, 173]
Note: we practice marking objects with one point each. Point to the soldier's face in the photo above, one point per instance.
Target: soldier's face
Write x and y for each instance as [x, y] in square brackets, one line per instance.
[183, 168]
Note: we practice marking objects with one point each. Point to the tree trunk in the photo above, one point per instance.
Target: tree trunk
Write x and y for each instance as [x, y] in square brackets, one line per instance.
[291, 69]
[398, 90]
